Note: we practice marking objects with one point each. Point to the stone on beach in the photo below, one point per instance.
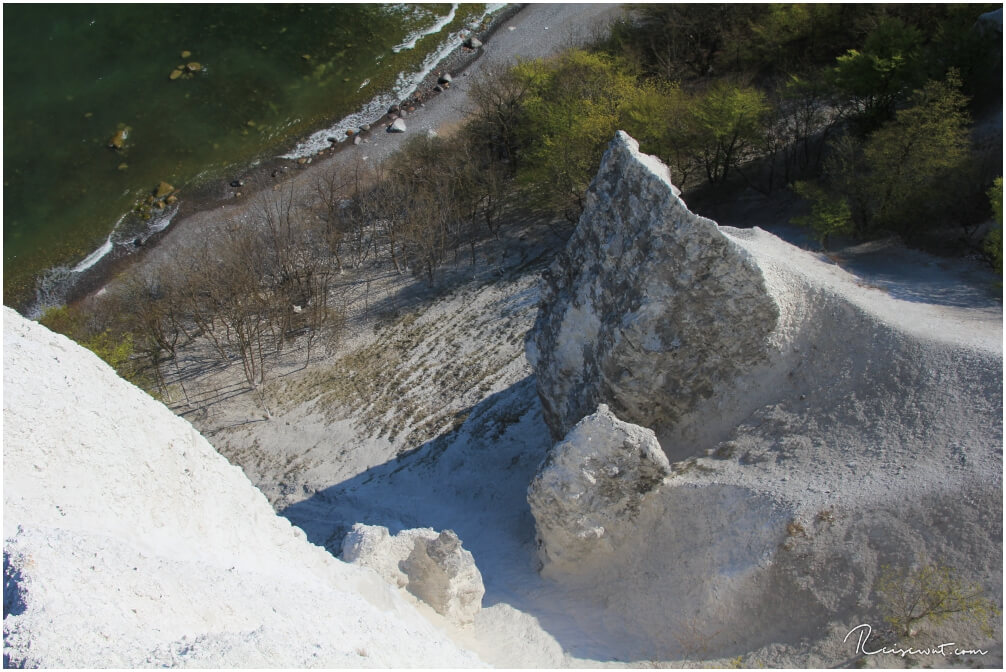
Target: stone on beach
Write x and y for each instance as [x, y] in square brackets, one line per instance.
[397, 126]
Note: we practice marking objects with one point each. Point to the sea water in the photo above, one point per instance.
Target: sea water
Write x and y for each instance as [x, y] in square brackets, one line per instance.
[267, 77]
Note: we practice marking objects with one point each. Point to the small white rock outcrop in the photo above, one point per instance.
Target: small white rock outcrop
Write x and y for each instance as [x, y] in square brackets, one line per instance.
[629, 308]
[590, 488]
[432, 566]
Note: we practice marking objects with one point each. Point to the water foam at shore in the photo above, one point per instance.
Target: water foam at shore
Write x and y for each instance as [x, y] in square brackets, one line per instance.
[405, 86]
[53, 287]
[410, 41]
[96, 256]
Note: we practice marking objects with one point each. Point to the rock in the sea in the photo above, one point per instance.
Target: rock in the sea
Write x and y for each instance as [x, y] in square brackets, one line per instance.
[163, 189]
[365, 127]
[589, 489]
[650, 309]
[444, 78]
[473, 43]
[193, 66]
[397, 126]
[118, 140]
[175, 74]
[432, 566]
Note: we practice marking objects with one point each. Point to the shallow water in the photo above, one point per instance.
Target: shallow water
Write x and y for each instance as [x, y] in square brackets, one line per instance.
[74, 75]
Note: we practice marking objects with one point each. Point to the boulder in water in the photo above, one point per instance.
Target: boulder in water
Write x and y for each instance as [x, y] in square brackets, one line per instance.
[163, 189]
[118, 141]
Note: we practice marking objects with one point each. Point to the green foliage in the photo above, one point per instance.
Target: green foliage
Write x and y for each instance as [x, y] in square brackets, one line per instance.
[995, 195]
[685, 40]
[915, 160]
[932, 593]
[116, 351]
[992, 246]
[729, 121]
[829, 215]
[660, 116]
[910, 175]
[790, 37]
[884, 71]
[572, 111]
[72, 322]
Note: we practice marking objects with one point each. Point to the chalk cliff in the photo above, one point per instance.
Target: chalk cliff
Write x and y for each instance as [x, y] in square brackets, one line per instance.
[818, 429]
[130, 542]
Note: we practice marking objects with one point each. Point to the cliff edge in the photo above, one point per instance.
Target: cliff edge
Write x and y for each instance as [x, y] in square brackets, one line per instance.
[130, 542]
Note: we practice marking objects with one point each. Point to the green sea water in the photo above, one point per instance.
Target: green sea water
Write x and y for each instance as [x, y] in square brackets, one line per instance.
[74, 75]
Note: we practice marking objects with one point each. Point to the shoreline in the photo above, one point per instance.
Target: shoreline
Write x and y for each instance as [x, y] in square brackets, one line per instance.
[74, 285]
[516, 31]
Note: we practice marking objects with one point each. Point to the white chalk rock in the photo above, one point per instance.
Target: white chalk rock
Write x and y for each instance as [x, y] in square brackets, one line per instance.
[650, 308]
[589, 489]
[397, 126]
[432, 566]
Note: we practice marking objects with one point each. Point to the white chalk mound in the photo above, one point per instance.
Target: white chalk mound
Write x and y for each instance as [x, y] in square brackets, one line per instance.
[431, 565]
[818, 428]
[129, 542]
[588, 493]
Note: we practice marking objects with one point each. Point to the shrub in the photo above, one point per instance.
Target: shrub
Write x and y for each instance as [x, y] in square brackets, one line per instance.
[992, 246]
[932, 593]
[116, 350]
[917, 161]
[829, 215]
